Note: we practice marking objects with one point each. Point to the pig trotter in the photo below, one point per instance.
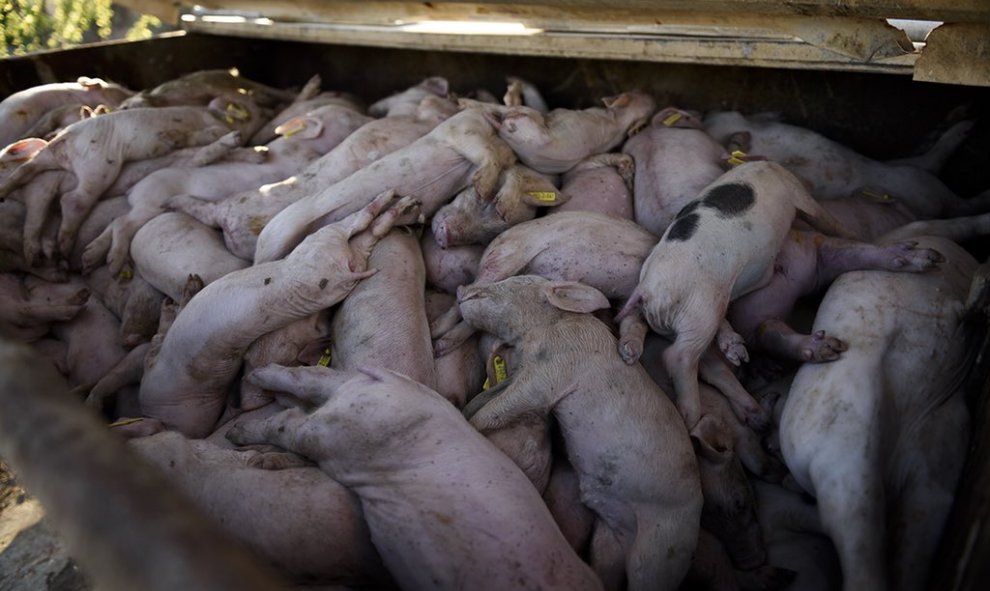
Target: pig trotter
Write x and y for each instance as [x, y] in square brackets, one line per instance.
[907, 257]
[782, 340]
[452, 339]
[731, 344]
[632, 330]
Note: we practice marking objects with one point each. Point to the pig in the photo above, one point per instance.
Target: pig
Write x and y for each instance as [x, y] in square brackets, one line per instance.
[24, 113]
[309, 99]
[675, 159]
[721, 246]
[447, 268]
[521, 92]
[608, 256]
[95, 489]
[460, 151]
[243, 215]
[314, 532]
[172, 245]
[382, 322]
[28, 314]
[185, 384]
[451, 516]
[301, 140]
[879, 436]
[407, 102]
[199, 88]
[555, 143]
[12, 214]
[611, 416]
[833, 170]
[469, 219]
[601, 183]
[15, 154]
[806, 264]
[126, 372]
[122, 136]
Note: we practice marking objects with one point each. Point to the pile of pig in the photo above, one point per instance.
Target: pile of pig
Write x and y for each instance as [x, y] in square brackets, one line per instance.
[470, 343]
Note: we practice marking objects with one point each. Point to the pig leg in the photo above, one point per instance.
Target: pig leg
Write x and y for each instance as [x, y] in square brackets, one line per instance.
[607, 556]
[715, 371]
[282, 429]
[563, 498]
[210, 153]
[127, 371]
[519, 397]
[77, 204]
[816, 216]
[204, 211]
[622, 163]
[38, 199]
[955, 229]
[632, 332]
[934, 159]
[696, 331]
[489, 156]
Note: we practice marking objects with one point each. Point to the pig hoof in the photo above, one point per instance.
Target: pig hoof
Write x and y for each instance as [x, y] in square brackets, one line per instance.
[909, 258]
[820, 347]
[735, 351]
[630, 350]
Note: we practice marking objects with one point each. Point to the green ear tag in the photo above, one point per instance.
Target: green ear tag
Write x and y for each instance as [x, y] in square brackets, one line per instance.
[324, 358]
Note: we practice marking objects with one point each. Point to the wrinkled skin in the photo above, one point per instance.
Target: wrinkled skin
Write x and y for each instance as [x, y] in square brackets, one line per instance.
[833, 170]
[469, 219]
[601, 183]
[25, 113]
[185, 384]
[461, 151]
[454, 516]
[675, 160]
[558, 141]
[122, 136]
[313, 532]
[806, 264]
[170, 247]
[383, 323]
[303, 140]
[243, 215]
[608, 256]
[609, 413]
[722, 246]
[879, 436]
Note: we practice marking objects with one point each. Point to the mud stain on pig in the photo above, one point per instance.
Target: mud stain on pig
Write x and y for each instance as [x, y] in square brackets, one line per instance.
[730, 200]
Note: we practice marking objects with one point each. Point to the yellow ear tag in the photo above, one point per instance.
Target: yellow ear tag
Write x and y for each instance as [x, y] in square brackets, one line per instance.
[671, 119]
[878, 197]
[324, 358]
[737, 157]
[235, 111]
[291, 127]
[543, 196]
[501, 372]
[124, 422]
[126, 274]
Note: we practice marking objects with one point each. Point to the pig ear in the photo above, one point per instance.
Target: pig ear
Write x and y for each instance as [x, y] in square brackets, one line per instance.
[572, 296]
[23, 149]
[711, 440]
[674, 117]
[537, 191]
[437, 85]
[305, 127]
[616, 102]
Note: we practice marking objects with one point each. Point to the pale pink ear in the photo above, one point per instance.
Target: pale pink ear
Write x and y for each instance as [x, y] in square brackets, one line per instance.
[23, 149]
[616, 102]
[572, 296]
[635, 301]
[534, 189]
[711, 440]
[437, 85]
[674, 117]
[304, 127]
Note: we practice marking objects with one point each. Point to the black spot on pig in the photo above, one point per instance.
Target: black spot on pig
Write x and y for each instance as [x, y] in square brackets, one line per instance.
[683, 228]
[268, 280]
[324, 282]
[730, 200]
[689, 208]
